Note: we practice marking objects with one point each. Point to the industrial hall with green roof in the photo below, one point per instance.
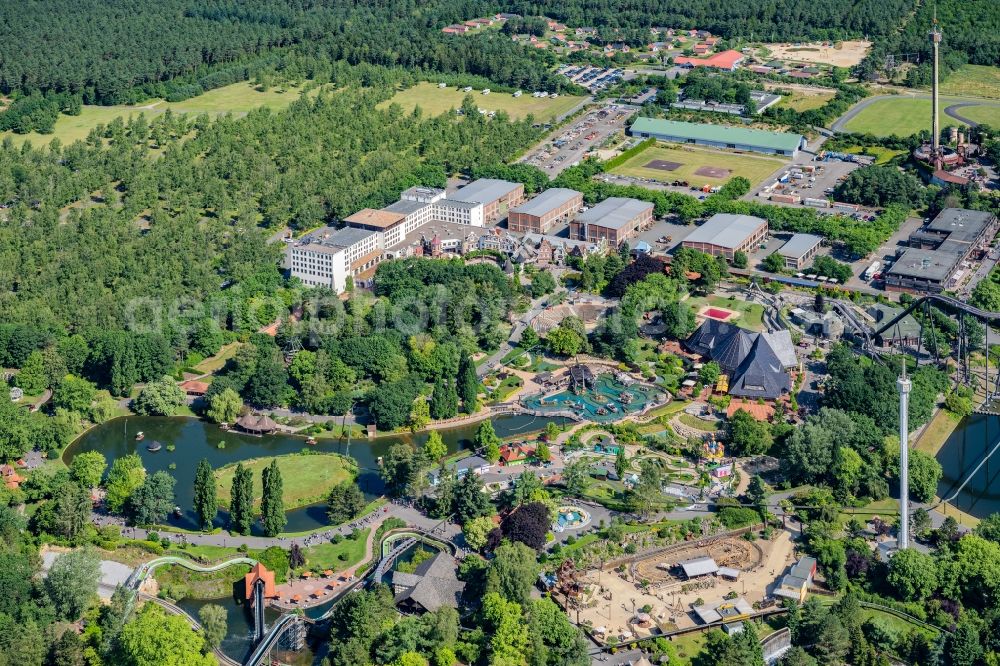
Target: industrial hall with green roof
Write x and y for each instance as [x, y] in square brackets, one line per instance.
[719, 136]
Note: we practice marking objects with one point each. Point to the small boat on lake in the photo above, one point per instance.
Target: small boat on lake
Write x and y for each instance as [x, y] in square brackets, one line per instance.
[154, 446]
[311, 441]
[139, 436]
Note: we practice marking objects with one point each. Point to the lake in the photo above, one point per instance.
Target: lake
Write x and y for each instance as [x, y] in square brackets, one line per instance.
[974, 438]
[195, 439]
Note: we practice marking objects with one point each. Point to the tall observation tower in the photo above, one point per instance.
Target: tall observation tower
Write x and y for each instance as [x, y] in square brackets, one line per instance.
[903, 384]
[935, 37]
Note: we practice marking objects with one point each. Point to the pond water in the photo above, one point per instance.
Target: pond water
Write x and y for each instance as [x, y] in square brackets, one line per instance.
[970, 444]
[194, 439]
[608, 401]
[239, 622]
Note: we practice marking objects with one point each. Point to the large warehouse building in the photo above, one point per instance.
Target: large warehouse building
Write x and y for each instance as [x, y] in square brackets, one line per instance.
[496, 196]
[724, 234]
[614, 221]
[543, 212]
[934, 261]
[719, 136]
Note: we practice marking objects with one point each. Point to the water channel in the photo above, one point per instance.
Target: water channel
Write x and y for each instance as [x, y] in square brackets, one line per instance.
[194, 439]
[967, 447]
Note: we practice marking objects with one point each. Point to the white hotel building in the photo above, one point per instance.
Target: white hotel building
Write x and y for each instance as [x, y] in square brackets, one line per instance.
[328, 257]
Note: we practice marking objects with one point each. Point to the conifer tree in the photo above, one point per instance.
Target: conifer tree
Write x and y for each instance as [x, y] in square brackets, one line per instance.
[272, 507]
[205, 501]
[241, 502]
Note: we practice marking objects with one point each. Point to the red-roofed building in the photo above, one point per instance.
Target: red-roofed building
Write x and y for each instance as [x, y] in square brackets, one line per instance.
[11, 479]
[194, 387]
[515, 454]
[260, 572]
[702, 48]
[727, 60]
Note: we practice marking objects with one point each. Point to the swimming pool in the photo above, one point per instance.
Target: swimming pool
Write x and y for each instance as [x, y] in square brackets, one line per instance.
[609, 400]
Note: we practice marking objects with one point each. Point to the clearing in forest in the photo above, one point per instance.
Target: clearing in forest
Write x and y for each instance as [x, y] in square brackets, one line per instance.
[838, 54]
[238, 98]
[974, 81]
[435, 101]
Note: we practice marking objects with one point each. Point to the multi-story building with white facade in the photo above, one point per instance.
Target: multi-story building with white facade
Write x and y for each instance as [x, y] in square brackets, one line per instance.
[329, 258]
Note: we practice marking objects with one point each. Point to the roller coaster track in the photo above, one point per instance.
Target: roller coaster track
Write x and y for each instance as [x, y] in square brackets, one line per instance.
[144, 571]
[271, 639]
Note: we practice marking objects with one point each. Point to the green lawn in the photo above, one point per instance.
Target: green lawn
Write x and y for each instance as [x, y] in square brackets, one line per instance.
[937, 432]
[328, 554]
[987, 115]
[435, 101]
[307, 479]
[216, 362]
[754, 167]
[236, 98]
[698, 424]
[881, 155]
[750, 315]
[973, 81]
[800, 101]
[902, 116]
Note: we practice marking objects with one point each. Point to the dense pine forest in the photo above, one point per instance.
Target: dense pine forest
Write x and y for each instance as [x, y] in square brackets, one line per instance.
[971, 31]
[786, 20]
[118, 51]
[174, 205]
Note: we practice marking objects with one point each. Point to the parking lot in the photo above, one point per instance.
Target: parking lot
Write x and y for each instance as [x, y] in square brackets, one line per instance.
[592, 78]
[568, 146]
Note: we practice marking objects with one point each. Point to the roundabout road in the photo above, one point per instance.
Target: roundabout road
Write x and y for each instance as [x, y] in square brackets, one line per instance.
[951, 110]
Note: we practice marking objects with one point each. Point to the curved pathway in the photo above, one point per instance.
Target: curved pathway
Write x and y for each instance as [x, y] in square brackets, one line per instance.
[951, 110]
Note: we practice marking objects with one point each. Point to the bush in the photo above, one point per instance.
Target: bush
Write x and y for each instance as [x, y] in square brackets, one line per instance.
[735, 517]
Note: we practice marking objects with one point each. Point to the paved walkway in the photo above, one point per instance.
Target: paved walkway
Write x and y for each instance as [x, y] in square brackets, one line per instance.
[411, 516]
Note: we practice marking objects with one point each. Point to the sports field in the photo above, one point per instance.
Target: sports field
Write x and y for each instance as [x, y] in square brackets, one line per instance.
[435, 101]
[238, 98]
[973, 81]
[902, 116]
[679, 162]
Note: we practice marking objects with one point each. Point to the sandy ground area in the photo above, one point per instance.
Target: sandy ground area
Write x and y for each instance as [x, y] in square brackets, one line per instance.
[618, 598]
[848, 55]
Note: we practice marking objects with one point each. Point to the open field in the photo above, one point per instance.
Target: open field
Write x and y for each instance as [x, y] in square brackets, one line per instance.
[237, 98]
[306, 479]
[902, 116]
[849, 53]
[986, 115]
[435, 101]
[689, 160]
[806, 101]
[973, 81]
